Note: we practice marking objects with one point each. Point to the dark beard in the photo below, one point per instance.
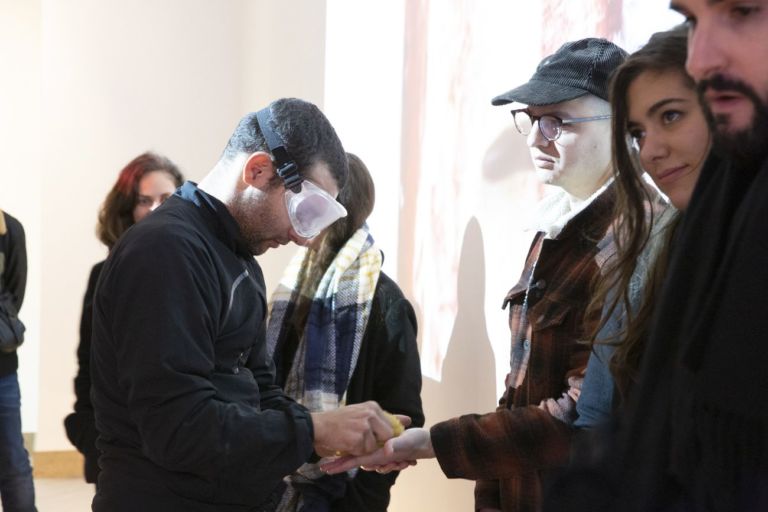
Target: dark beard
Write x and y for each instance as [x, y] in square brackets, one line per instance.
[747, 148]
[253, 217]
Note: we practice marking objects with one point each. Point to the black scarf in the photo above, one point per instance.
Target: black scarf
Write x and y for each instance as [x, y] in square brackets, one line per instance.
[696, 435]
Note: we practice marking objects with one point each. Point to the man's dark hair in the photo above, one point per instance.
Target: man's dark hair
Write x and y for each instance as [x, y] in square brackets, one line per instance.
[308, 136]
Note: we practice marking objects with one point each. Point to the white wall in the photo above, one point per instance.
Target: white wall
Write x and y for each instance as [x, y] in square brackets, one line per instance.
[473, 187]
[289, 61]
[21, 179]
[118, 78]
[95, 82]
[363, 97]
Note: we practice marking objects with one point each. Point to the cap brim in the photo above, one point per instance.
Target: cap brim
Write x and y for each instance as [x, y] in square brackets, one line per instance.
[537, 92]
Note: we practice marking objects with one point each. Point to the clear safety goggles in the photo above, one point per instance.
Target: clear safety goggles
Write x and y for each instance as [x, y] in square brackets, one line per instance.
[312, 209]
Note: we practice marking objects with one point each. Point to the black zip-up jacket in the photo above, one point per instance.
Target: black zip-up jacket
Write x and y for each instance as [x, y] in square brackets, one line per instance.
[188, 414]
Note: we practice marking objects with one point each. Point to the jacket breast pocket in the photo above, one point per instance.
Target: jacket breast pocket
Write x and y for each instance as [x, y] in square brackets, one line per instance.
[549, 314]
[557, 349]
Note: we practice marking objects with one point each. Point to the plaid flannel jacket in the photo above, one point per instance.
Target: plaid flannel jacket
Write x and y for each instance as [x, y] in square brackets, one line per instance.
[507, 451]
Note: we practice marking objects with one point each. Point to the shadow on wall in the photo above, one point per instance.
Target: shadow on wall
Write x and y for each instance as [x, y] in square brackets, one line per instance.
[510, 191]
[507, 155]
[468, 384]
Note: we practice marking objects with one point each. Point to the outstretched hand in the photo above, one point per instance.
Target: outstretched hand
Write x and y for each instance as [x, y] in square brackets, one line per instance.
[397, 453]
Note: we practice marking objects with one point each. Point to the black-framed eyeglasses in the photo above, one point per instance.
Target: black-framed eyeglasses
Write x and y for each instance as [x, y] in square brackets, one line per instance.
[550, 126]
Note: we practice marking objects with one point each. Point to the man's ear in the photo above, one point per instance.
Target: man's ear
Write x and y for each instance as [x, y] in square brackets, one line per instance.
[258, 170]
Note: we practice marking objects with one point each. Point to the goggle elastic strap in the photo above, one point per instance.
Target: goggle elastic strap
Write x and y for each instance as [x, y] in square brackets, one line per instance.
[286, 167]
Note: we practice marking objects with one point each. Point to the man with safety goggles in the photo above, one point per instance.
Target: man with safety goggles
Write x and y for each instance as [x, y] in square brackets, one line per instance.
[186, 407]
[310, 208]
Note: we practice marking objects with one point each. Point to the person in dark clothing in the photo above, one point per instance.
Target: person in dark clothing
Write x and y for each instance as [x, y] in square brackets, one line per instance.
[142, 185]
[17, 490]
[188, 414]
[695, 435]
[655, 105]
[335, 283]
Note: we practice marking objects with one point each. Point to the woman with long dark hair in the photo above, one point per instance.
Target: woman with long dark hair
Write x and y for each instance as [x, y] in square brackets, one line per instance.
[142, 185]
[659, 131]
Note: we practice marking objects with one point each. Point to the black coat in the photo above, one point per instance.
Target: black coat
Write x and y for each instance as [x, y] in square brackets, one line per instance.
[695, 432]
[189, 417]
[81, 424]
[13, 277]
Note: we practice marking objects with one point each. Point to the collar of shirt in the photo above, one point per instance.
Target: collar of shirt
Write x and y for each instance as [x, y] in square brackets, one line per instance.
[556, 210]
[217, 214]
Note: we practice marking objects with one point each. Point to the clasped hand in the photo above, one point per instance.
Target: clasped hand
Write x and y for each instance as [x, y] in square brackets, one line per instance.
[397, 453]
[356, 429]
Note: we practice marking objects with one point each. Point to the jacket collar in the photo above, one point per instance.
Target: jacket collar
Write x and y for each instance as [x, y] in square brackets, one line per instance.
[555, 212]
[217, 215]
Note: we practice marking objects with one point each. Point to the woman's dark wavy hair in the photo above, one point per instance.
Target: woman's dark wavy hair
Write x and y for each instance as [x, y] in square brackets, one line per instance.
[116, 214]
[358, 197]
[634, 209]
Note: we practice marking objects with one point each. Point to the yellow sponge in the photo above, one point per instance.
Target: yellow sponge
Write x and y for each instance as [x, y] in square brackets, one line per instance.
[397, 429]
[395, 423]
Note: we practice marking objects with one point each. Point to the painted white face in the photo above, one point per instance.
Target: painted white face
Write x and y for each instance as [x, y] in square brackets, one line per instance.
[579, 160]
[670, 131]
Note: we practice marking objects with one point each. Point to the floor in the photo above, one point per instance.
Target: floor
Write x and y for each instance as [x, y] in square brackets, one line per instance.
[63, 495]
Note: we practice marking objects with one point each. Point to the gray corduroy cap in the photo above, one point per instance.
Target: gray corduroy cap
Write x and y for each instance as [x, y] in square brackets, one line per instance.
[577, 68]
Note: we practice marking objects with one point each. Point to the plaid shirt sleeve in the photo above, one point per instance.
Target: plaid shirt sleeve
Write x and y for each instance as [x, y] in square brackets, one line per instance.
[523, 435]
[488, 491]
[500, 444]
[487, 494]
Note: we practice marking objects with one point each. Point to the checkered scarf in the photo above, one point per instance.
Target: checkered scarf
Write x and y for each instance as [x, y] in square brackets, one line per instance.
[327, 353]
[338, 315]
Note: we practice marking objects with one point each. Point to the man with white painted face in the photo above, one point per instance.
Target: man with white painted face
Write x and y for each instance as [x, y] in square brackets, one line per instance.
[696, 436]
[563, 112]
[188, 415]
